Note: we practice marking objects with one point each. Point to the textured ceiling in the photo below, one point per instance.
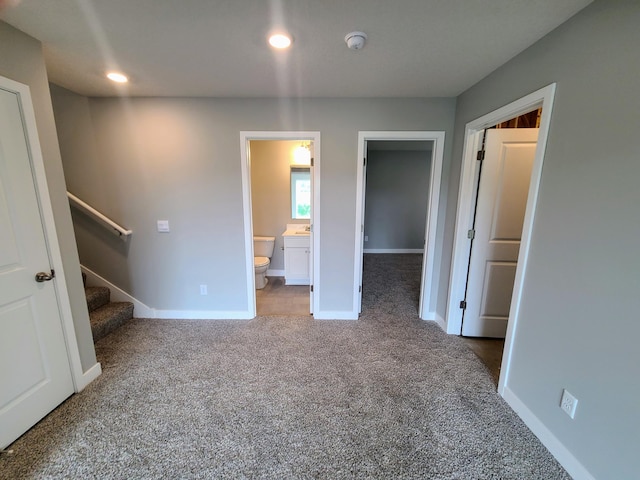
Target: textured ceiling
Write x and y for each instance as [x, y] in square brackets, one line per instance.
[217, 48]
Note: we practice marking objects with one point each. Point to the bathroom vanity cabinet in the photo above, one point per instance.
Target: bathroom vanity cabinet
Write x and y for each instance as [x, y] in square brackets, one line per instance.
[296, 259]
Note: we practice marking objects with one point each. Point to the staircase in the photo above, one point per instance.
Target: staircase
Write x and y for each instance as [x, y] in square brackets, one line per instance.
[105, 316]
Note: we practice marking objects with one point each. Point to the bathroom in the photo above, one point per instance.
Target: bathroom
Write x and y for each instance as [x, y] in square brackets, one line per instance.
[281, 200]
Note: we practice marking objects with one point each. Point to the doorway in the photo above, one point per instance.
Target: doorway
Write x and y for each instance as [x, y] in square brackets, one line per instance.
[281, 187]
[402, 140]
[464, 233]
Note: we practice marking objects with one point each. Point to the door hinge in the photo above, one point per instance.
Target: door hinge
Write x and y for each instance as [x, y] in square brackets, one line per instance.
[311, 287]
[312, 161]
[480, 155]
[471, 234]
[364, 161]
[360, 289]
[463, 304]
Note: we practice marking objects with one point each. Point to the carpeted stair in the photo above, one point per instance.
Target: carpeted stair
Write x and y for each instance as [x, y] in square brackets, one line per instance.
[105, 316]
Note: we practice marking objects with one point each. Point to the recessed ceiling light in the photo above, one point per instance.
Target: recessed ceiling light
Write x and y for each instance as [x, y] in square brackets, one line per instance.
[117, 77]
[280, 40]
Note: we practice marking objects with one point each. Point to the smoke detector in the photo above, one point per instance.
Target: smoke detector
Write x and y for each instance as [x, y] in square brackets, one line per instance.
[355, 40]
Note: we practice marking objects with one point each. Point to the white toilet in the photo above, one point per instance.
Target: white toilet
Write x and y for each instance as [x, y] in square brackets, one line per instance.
[262, 252]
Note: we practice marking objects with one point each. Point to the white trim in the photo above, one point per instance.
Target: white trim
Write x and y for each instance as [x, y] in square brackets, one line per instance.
[248, 225]
[428, 273]
[117, 294]
[546, 95]
[144, 311]
[49, 225]
[568, 461]
[88, 377]
[245, 154]
[440, 322]
[393, 250]
[341, 315]
[203, 315]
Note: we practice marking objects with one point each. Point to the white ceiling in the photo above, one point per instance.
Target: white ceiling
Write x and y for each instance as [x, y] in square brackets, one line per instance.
[217, 48]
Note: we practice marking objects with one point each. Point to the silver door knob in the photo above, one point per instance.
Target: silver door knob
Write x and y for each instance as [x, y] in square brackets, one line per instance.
[44, 277]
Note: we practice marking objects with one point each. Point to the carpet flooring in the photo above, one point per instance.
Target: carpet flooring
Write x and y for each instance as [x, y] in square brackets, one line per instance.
[277, 397]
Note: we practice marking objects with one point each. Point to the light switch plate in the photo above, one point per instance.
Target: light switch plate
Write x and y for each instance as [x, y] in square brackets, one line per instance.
[163, 226]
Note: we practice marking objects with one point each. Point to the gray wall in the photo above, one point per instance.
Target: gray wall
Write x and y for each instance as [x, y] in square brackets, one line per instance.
[179, 159]
[23, 62]
[578, 327]
[271, 192]
[396, 197]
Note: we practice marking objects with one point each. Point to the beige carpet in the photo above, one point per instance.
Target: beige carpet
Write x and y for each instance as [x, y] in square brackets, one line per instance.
[388, 397]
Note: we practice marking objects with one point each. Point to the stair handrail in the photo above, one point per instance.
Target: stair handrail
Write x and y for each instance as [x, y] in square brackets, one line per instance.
[112, 226]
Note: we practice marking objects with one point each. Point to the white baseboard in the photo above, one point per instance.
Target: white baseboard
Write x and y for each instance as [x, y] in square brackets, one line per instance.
[429, 317]
[275, 273]
[568, 461]
[393, 250]
[440, 322]
[327, 315]
[202, 315]
[117, 294]
[144, 311]
[88, 377]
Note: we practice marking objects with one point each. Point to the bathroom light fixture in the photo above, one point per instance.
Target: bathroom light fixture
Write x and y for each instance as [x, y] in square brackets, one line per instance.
[280, 40]
[117, 77]
[302, 155]
[355, 40]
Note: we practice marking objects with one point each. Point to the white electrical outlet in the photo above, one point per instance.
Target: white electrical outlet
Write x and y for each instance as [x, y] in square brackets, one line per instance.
[203, 290]
[163, 226]
[568, 403]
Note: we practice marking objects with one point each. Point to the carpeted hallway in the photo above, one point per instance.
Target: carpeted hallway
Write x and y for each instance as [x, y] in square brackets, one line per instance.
[387, 397]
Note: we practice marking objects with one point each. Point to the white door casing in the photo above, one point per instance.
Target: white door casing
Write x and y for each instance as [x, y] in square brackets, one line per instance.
[310, 258]
[35, 369]
[362, 210]
[501, 203]
[428, 259]
[314, 238]
[466, 202]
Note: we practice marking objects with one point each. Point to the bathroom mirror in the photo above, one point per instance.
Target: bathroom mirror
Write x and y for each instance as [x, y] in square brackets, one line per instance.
[300, 192]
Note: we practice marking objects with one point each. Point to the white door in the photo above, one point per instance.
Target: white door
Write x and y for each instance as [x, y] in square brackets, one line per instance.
[35, 375]
[501, 203]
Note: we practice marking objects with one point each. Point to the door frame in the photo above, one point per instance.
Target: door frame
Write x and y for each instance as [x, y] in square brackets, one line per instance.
[245, 159]
[466, 202]
[425, 310]
[79, 377]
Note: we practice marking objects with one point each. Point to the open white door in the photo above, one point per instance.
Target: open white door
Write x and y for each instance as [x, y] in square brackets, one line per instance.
[35, 373]
[501, 203]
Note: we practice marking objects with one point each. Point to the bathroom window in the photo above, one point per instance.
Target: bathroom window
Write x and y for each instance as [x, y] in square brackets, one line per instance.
[300, 193]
